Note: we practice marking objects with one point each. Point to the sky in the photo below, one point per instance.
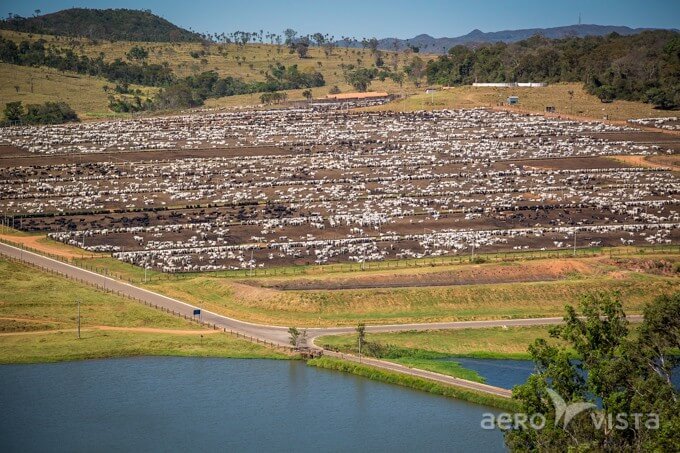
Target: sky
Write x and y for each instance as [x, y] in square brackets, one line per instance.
[380, 18]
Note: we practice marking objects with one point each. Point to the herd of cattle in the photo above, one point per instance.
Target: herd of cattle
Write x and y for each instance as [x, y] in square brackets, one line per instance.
[246, 189]
[671, 123]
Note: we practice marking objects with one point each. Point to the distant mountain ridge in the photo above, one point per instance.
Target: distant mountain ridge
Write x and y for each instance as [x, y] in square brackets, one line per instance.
[109, 24]
[427, 43]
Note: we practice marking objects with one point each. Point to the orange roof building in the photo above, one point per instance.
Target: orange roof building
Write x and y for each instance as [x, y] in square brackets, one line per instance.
[357, 95]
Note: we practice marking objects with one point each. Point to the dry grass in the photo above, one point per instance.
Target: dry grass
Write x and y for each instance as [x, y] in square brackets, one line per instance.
[583, 105]
[249, 62]
[404, 305]
[401, 305]
[84, 93]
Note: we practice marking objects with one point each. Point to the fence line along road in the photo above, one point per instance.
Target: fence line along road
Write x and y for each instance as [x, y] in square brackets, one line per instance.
[275, 335]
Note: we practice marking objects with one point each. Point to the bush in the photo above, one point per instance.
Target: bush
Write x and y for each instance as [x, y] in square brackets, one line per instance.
[47, 113]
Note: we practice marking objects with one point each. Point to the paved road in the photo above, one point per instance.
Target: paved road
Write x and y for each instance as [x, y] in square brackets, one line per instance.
[274, 334]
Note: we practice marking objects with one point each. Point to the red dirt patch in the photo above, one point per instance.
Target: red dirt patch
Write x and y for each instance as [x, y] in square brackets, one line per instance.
[470, 275]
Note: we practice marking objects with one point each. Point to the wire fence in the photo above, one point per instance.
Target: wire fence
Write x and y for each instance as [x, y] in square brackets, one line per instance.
[194, 319]
[87, 259]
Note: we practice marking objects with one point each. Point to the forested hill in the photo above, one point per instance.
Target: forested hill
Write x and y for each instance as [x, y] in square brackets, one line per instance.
[104, 24]
[643, 67]
[428, 44]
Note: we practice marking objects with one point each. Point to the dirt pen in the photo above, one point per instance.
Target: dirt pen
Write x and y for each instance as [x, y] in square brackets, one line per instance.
[253, 193]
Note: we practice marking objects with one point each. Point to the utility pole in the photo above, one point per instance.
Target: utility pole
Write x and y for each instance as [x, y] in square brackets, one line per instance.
[574, 242]
[79, 319]
[252, 264]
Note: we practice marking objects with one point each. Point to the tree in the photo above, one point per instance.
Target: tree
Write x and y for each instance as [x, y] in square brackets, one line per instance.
[273, 98]
[361, 335]
[661, 99]
[137, 53]
[177, 96]
[319, 39]
[297, 338]
[334, 90]
[307, 94]
[397, 77]
[301, 47]
[617, 374]
[329, 46]
[14, 111]
[293, 334]
[290, 35]
[415, 70]
[379, 62]
[606, 93]
[360, 78]
[372, 45]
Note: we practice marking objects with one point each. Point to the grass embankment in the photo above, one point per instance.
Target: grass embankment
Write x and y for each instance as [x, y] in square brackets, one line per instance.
[432, 350]
[413, 382]
[473, 301]
[62, 346]
[38, 318]
[490, 343]
[405, 305]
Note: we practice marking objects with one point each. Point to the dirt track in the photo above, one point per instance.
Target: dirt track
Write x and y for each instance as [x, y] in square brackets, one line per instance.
[33, 242]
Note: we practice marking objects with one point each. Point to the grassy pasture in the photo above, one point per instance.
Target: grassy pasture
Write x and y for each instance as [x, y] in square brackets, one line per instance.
[249, 62]
[532, 100]
[245, 299]
[252, 61]
[62, 346]
[38, 318]
[38, 85]
[496, 342]
[404, 305]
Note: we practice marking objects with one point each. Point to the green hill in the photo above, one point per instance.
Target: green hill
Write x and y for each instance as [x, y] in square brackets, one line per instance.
[103, 24]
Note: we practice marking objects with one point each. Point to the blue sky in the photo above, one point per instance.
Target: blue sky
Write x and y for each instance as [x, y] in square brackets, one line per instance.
[380, 18]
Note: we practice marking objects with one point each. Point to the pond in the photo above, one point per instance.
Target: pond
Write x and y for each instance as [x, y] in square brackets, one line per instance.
[200, 404]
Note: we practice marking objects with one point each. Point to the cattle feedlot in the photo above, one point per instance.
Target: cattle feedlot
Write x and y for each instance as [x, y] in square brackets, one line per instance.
[266, 188]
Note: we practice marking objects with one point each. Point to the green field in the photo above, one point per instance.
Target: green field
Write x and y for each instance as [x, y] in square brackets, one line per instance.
[496, 343]
[404, 305]
[432, 350]
[62, 346]
[38, 320]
